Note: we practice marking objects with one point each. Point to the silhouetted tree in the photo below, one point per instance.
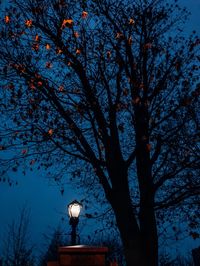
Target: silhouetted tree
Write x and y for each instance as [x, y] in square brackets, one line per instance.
[107, 91]
[178, 261]
[17, 247]
[53, 243]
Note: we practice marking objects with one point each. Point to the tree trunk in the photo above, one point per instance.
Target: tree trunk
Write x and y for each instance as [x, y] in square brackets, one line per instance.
[126, 222]
[149, 235]
[129, 230]
[148, 228]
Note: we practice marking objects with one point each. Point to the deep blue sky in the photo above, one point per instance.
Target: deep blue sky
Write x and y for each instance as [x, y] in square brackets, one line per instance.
[45, 200]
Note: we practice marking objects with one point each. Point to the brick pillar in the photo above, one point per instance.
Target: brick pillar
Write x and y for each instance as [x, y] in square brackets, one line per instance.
[52, 263]
[82, 256]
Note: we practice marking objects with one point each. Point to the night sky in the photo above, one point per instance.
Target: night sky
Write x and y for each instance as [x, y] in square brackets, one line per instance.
[44, 199]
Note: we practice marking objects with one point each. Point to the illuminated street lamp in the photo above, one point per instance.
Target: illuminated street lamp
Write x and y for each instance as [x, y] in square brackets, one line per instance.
[74, 209]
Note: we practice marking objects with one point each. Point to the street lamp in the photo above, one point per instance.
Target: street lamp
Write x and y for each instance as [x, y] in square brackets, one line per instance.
[74, 209]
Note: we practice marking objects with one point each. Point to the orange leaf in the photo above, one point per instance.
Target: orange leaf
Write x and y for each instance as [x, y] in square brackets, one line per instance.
[61, 88]
[48, 46]
[84, 14]
[76, 34]
[28, 22]
[7, 19]
[131, 21]
[39, 83]
[67, 23]
[50, 132]
[58, 51]
[136, 100]
[119, 35]
[78, 51]
[37, 38]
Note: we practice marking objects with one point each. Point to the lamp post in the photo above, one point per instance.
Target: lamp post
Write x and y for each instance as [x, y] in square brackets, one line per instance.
[74, 209]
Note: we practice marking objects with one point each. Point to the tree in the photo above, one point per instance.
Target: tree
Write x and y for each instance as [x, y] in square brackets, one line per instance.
[179, 260]
[110, 87]
[17, 250]
[53, 243]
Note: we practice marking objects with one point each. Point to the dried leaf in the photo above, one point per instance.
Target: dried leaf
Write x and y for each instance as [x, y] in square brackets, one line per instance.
[131, 21]
[136, 100]
[24, 152]
[40, 83]
[28, 22]
[108, 54]
[119, 35]
[48, 65]
[148, 45]
[50, 132]
[61, 88]
[148, 146]
[130, 40]
[7, 19]
[48, 46]
[78, 51]
[35, 47]
[37, 38]
[67, 23]
[76, 34]
[58, 51]
[84, 14]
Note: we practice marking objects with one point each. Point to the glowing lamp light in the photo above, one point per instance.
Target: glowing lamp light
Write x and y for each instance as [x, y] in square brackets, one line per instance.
[74, 209]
